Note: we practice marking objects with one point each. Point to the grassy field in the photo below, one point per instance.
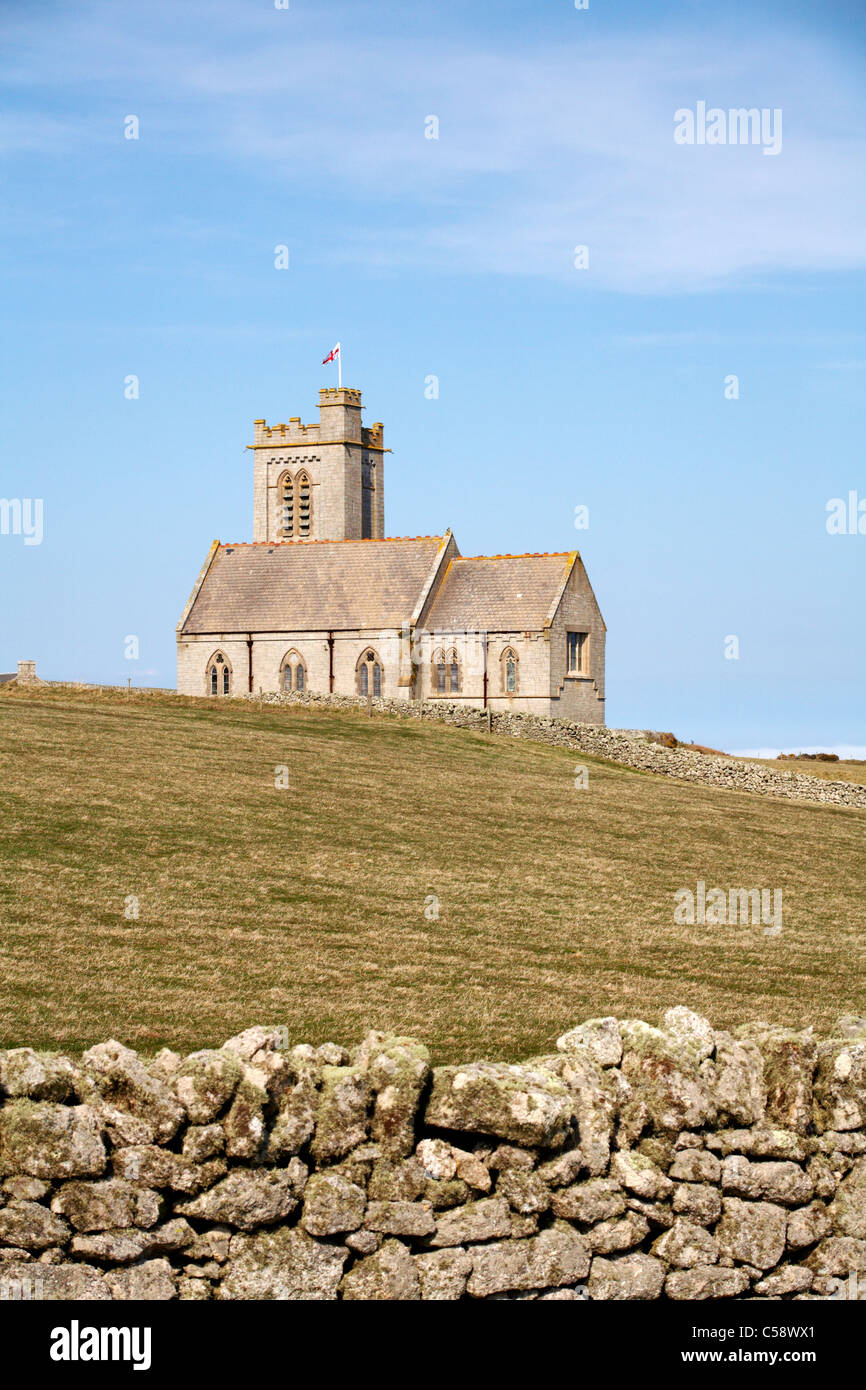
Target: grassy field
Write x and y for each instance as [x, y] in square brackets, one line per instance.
[306, 906]
[833, 772]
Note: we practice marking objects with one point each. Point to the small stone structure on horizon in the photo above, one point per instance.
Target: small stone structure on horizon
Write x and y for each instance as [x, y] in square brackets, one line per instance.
[25, 675]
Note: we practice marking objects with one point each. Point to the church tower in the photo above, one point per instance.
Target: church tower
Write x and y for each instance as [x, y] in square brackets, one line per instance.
[321, 482]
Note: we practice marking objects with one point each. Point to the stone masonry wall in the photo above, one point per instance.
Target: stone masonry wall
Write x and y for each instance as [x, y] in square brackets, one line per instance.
[634, 1162]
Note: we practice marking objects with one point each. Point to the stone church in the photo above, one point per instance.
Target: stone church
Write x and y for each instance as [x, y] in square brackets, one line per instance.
[321, 600]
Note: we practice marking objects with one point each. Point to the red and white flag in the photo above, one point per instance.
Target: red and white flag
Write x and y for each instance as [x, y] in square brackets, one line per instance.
[335, 356]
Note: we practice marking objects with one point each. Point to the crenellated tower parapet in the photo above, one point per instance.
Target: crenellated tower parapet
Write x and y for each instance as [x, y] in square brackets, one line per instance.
[322, 481]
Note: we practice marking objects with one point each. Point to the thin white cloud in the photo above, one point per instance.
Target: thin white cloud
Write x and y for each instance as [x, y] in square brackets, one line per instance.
[538, 150]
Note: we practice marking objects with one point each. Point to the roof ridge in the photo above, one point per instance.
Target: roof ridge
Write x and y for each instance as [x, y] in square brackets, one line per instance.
[303, 541]
[521, 555]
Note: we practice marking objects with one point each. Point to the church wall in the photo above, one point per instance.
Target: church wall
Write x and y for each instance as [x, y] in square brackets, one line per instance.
[193, 656]
[533, 685]
[577, 697]
[348, 647]
[269, 650]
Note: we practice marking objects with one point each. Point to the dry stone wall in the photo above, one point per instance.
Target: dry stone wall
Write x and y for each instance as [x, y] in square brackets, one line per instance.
[631, 747]
[635, 1162]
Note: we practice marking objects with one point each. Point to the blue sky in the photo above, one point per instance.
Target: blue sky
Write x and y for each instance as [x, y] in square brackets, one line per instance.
[558, 386]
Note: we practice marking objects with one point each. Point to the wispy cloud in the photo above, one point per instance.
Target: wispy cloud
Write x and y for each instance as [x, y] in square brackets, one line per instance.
[538, 151]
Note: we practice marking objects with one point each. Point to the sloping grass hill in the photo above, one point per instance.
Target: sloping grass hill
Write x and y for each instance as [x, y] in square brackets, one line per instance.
[165, 883]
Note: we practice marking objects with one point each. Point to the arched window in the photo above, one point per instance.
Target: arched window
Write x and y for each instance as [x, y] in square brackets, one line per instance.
[439, 672]
[296, 505]
[219, 675]
[286, 490]
[510, 664]
[293, 671]
[453, 672]
[446, 672]
[305, 505]
[370, 673]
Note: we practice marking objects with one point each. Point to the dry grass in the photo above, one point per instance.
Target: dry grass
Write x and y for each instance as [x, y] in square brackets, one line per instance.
[306, 907]
[833, 772]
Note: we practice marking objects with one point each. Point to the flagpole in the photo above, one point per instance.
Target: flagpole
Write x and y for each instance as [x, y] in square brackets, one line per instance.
[339, 366]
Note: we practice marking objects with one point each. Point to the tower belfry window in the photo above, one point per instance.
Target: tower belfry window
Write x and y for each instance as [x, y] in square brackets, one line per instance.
[287, 519]
[305, 505]
[295, 505]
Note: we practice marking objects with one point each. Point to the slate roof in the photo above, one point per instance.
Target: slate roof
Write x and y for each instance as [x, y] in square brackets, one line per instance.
[499, 593]
[312, 586]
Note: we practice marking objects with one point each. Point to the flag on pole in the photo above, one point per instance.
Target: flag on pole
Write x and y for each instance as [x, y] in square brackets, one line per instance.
[335, 356]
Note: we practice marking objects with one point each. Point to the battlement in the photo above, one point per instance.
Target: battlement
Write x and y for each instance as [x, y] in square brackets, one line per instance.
[272, 436]
[339, 423]
[339, 395]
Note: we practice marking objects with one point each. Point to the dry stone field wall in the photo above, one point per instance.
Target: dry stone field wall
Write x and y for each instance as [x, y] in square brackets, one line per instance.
[631, 747]
[634, 1162]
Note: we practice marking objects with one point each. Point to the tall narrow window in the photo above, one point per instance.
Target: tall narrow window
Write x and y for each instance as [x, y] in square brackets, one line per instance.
[440, 674]
[294, 671]
[369, 673]
[305, 505]
[453, 671]
[576, 652]
[219, 675]
[509, 665]
[366, 500]
[287, 506]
